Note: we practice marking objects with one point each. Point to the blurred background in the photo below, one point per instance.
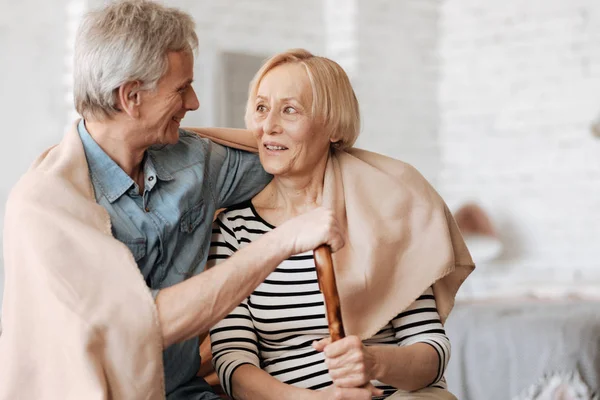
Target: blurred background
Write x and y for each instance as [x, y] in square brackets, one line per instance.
[496, 103]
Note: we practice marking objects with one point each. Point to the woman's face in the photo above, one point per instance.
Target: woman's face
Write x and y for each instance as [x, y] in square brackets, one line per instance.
[289, 142]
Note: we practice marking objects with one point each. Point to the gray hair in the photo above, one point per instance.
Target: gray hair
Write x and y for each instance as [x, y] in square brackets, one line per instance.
[126, 41]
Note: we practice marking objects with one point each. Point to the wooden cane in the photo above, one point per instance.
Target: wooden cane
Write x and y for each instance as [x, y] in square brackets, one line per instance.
[326, 277]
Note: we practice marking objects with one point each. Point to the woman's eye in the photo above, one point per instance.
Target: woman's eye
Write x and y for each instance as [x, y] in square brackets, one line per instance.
[289, 110]
[261, 108]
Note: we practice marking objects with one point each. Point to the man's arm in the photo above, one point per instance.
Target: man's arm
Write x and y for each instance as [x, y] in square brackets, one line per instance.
[236, 175]
[191, 307]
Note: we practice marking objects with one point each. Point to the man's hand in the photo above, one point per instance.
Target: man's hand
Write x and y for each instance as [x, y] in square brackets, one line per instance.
[310, 230]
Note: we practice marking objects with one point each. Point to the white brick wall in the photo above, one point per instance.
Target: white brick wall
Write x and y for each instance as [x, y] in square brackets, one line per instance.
[32, 106]
[260, 27]
[397, 79]
[492, 101]
[519, 89]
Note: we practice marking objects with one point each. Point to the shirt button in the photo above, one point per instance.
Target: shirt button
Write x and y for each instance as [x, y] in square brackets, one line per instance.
[150, 179]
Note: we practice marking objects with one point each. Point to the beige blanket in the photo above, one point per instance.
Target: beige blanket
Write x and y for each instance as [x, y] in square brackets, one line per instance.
[80, 323]
[400, 236]
[78, 319]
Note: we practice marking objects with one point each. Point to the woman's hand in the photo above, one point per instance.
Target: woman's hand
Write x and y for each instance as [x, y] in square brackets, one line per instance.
[350, 363]
[310, 230]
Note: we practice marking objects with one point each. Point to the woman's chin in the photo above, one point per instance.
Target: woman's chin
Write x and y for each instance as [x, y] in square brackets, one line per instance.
[272, 166]
[274, 169]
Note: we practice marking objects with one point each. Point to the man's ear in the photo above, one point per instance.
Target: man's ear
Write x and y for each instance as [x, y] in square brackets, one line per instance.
[129, 98]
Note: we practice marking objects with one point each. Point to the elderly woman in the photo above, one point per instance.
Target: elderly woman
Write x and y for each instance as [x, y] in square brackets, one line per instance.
[303, 113]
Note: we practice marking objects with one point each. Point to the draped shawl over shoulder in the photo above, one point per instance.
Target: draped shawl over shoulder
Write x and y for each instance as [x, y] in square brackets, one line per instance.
[78, 319]
[400, 236]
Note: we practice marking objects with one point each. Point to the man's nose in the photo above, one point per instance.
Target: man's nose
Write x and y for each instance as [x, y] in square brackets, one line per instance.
[191, 102]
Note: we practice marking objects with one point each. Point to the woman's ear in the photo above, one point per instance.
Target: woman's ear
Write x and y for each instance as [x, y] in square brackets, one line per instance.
[336, 141]
[129, 98]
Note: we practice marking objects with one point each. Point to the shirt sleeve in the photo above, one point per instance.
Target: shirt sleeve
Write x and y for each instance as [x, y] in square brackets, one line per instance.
[234, 343]
[420, 323]
[233, 340]
[236, 175]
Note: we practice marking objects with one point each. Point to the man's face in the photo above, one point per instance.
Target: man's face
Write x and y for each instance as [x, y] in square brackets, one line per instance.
[162, 110]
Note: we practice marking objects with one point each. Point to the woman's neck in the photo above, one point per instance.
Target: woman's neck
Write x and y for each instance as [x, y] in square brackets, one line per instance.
[288, 196]
[296, 195]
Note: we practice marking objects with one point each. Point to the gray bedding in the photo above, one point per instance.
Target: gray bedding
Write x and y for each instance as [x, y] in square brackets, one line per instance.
[500, 350]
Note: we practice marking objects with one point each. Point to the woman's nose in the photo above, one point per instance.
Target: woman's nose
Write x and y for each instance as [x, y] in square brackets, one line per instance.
[272, 124]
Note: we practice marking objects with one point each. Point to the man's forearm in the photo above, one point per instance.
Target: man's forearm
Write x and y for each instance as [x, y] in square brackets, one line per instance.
[191, 307]
[408, 368]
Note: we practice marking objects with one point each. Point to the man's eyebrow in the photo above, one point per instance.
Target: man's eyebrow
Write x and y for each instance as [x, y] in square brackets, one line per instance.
[186, 83]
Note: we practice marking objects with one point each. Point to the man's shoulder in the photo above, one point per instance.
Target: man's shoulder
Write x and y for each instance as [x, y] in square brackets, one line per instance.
[189, 151]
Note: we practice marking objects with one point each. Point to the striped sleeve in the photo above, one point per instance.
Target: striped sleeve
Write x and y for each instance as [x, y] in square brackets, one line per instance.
[233, 339]
[420, 323]
[234, 343]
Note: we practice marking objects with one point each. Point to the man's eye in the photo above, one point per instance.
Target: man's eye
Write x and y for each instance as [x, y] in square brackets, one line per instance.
[261, 108]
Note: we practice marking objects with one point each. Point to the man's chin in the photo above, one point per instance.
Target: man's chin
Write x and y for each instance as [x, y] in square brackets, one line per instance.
[173, 137]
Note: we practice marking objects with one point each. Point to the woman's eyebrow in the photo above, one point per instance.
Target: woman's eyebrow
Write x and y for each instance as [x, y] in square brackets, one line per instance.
[260, 97]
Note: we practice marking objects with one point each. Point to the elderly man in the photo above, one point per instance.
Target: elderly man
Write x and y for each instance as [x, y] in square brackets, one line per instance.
[128, 192]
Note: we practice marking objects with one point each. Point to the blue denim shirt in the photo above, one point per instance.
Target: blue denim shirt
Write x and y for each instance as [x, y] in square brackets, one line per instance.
[168, 228]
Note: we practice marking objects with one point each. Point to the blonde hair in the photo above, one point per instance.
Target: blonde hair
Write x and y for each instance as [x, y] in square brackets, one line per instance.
[334, 104]
[125, 41]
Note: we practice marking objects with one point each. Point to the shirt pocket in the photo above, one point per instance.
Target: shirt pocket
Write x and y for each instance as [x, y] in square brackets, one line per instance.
[137, 246]
[192, 218]
[191, 241]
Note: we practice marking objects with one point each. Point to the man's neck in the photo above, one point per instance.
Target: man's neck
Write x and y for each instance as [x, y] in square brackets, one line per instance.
[115, 140]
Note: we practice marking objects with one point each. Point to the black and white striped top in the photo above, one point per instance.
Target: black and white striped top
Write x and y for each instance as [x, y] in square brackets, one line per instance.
[274, 327]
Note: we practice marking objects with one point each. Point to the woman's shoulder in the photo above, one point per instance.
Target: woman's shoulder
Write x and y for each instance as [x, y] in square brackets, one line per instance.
[242, 218]
[236, 211]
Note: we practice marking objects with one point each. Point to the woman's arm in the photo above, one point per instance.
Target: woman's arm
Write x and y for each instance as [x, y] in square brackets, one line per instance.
[352, 364]
[408, 368]
[418, 362]
[250, 382]
[234, 345]
[236, 360]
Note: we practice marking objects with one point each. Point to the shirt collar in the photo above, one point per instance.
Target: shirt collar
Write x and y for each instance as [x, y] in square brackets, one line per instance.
[159, 170]
[106, 174]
